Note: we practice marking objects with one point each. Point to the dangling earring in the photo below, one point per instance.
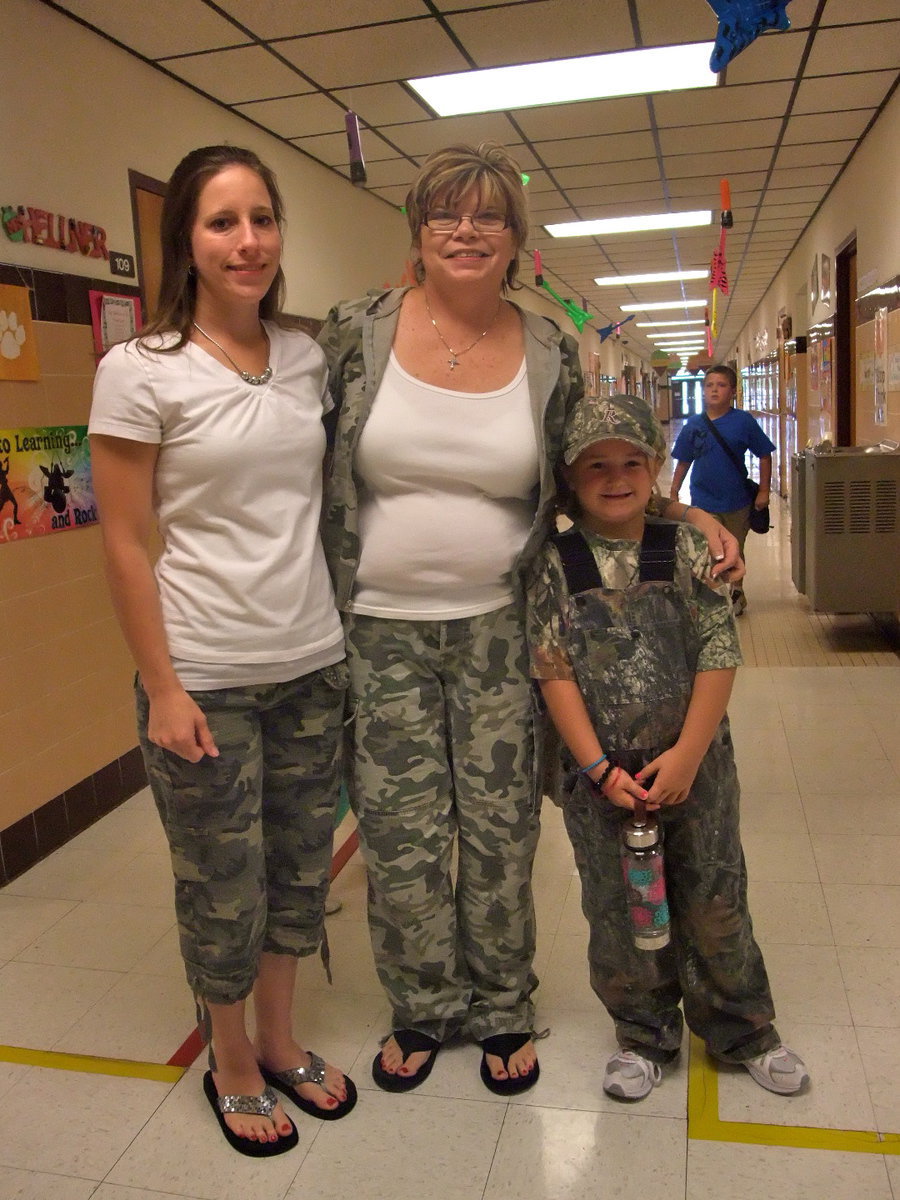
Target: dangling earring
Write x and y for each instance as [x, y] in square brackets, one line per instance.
[192, 270]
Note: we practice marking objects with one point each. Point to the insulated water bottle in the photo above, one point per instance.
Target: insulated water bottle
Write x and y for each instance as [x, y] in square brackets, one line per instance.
[645, 879]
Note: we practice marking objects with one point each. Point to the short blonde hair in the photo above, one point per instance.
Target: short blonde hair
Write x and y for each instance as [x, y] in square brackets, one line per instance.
[447, 175]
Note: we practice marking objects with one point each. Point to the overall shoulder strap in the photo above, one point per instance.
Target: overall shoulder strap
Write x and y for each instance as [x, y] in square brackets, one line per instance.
[578, 562]
[657, 560]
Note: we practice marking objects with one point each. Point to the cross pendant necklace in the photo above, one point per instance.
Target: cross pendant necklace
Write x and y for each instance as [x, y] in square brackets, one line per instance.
[456, 355]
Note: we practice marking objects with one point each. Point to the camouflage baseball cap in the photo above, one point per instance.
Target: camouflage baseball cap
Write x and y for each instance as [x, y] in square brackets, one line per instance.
[628, 418]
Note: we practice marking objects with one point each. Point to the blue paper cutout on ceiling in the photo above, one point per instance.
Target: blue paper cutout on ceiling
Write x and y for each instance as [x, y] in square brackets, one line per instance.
[741, 22]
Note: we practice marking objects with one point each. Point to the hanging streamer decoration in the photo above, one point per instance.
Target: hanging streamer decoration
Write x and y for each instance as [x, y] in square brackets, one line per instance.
[740, 23]
[357, 162]
[718, 270]
[578, 316]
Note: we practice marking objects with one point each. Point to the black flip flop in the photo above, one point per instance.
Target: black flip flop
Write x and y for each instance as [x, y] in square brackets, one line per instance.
[244, 1145]
[410, 1041]
[287, 1082]
[504, 1045]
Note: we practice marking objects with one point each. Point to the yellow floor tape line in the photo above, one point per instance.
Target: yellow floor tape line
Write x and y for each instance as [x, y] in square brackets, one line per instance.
[704, 1124]
[91, 1064]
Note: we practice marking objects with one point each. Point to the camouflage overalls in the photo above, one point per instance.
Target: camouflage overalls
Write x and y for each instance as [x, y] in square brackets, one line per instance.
[635, 647]
[250, 832]
[444, 732]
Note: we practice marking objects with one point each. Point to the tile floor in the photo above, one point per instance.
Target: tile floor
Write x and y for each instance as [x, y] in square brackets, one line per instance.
[89, 967]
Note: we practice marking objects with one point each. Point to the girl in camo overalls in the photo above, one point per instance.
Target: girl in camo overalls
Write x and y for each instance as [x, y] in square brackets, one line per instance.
[635, 649]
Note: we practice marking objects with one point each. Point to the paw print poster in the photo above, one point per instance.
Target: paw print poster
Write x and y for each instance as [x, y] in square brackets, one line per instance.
[18, 348]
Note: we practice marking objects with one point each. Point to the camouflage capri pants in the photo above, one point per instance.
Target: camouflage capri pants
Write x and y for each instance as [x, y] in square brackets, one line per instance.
[250, 832]
[444, 741]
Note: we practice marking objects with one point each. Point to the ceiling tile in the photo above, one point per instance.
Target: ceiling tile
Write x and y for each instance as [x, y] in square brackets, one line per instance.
[712, 106]
[496, 37]
[854, 11]
[681, 140]
[382, 104]
[857, 48]
[296, 115]
[330, 148]
[614, 147]
[814, 155]
[722, 162]
[161, 28]
[772, 56]
[617, 115]
[829, 93]
[236, 76]
[672, 24]
[827, 127]
[290, 18]
[641, 170]
[377, 54]
[421, 138]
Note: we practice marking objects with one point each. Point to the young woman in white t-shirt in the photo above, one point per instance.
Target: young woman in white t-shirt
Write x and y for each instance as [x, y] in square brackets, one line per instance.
[209, 425]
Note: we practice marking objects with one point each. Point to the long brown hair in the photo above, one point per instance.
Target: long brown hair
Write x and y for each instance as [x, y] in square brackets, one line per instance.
[175, 308]
[447, 175]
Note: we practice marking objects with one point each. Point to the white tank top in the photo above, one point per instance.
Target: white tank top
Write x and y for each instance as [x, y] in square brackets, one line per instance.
[447, 498]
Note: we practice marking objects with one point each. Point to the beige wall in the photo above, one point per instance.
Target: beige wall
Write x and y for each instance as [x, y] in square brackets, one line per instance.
[863, 205]
[65, 705]
[82, 112]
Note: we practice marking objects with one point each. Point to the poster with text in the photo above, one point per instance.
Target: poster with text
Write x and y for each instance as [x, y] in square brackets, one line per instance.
[45, 481]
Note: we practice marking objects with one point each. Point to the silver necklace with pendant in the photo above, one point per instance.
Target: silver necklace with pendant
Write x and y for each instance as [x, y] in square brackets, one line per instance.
[456, 355]
[255, 380]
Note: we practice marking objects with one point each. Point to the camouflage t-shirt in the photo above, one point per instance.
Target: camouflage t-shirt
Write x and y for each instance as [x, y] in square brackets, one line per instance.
[548, 601]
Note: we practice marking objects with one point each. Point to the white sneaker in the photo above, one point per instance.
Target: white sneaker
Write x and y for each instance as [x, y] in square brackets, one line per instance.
[779, 1070]
[630, 1076]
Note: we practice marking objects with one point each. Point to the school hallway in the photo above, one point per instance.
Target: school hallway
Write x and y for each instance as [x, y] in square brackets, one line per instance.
[93, 1004]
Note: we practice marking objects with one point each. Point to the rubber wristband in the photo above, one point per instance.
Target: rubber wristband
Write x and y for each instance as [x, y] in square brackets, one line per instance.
[584, 770]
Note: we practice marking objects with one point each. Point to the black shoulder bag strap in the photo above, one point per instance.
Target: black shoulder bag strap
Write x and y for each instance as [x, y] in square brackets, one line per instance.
[738, 465]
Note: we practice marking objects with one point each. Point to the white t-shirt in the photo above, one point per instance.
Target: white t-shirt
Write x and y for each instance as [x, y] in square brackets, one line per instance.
[238, 485]
[447, 499]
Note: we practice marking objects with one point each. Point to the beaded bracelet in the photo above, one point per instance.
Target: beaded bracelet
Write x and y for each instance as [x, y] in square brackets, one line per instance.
[599, 784]
[584, 770]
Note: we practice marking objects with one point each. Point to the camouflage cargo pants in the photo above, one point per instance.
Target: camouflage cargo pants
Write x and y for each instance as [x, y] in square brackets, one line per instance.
[444, 760]
[250, 832]
[713, 965]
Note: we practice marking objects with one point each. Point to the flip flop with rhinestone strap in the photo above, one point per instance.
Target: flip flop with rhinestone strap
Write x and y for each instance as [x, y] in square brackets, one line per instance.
[262, 1105]
[410, 1042]
[288, 1081]
[504, 1045]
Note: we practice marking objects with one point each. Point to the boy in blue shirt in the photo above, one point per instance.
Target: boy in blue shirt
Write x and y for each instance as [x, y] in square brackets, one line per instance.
[715, 483]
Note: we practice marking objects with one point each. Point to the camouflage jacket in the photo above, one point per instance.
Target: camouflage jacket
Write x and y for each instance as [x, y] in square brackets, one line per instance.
[357, 338]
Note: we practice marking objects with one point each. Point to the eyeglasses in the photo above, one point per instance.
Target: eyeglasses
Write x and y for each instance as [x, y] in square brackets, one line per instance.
[441, 221]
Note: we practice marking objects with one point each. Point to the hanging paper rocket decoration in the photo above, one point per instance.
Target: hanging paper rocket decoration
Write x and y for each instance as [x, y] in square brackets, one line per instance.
[740, 23]
[357, 162]
[609, 330]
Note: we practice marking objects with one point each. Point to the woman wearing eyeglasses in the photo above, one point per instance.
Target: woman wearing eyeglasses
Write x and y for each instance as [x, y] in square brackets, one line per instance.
[452, 403]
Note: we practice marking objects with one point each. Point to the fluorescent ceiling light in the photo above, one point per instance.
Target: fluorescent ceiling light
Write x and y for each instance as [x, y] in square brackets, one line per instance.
[667, 304]
[674, 333]
[626, 73]
[608, 225]
[654, 277]
[658, 324]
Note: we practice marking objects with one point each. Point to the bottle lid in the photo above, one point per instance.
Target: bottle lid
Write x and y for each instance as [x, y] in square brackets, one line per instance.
[641, 831]
[641, 835]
